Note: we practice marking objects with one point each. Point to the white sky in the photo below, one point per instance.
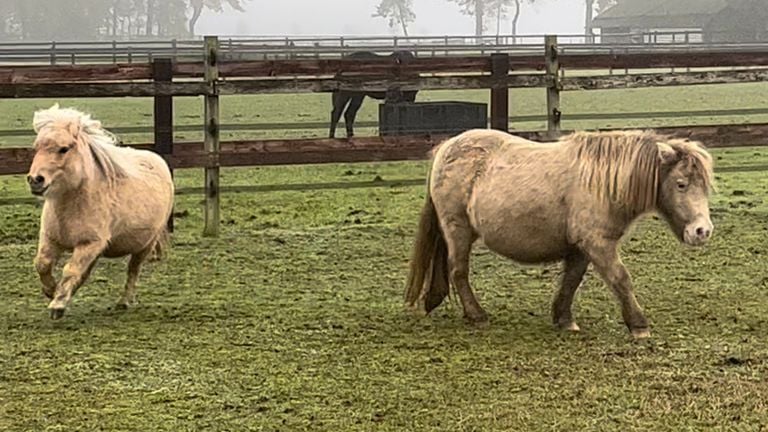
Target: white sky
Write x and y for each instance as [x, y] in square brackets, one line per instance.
[353, 17]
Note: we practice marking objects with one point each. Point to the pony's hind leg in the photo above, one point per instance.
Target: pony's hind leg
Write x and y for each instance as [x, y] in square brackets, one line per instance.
[339, 101]
[351, 113]
[134, 268]
[575, 267]
[459, 238]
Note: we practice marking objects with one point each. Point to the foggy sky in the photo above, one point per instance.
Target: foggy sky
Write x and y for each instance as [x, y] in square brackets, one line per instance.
[353, 17]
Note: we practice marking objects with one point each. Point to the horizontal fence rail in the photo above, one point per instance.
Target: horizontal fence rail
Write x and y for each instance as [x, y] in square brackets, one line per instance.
[242, 48]
[369, 149]
[386, 68]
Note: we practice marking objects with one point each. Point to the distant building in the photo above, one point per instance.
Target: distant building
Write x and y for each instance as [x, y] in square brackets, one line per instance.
[659, 21]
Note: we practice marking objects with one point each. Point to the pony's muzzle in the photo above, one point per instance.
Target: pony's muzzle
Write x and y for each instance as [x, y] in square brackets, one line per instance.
[699, 232]
[36, 184]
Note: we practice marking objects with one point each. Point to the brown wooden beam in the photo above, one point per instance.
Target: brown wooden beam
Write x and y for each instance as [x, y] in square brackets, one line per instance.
[373, 149]
[664, 79]
[664, 60]
[424, 65]
[83, 90]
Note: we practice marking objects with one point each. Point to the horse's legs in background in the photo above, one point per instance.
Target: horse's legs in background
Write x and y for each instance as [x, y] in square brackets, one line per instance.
[134, 268]
[349, 117]
[604, 255]
[76, 271]
[575, 266]
[339, 101]
[459, 238]
[45, 261]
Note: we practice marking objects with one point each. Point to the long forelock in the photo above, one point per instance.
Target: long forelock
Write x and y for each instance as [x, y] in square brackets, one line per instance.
[100, 142]
[697, 161]
[619, 167]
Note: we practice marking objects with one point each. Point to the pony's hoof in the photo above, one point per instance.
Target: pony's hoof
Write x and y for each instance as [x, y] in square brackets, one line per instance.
[641, 333]
[569, 326]
[416, 310]
[57, 313]
[125, 303]
[479, 320]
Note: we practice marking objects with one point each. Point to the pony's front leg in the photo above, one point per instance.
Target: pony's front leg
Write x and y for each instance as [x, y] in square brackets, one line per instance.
[75, 273]
[605, 257]
[576, 265]
[45, 261]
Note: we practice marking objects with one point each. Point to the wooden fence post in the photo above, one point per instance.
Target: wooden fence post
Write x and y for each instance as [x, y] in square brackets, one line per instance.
[553, 86]
[162, 72]
[211, 143]
[500, 92]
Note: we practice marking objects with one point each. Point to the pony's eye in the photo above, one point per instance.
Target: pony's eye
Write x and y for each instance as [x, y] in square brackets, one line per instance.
[682, 186]
[63, 150]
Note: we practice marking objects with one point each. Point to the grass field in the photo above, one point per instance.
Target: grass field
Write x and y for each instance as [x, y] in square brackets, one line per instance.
[292, 319]
[316, 108]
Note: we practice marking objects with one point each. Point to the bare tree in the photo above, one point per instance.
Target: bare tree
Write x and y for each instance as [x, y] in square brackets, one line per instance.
[397, 12]
[501, 8]
[213, 5]
[475, 8]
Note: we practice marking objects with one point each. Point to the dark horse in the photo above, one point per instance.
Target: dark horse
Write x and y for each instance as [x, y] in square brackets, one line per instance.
[353, 100]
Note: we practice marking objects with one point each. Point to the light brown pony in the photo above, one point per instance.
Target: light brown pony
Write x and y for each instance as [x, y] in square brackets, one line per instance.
[100, 200]
[571, 201]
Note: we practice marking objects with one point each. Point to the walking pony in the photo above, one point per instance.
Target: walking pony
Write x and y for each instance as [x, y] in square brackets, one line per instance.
[567, 201]
[353, 100]
[99, 200]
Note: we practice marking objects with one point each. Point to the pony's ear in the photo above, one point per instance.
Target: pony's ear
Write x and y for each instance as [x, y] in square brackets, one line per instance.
[668, 154]
[74, 129]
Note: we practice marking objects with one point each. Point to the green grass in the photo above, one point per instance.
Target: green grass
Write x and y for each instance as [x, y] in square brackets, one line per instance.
[292, 319]
[306, 108]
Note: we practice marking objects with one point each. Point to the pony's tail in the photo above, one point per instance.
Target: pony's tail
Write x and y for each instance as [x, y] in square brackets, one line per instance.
[427, 284]
[162, 244]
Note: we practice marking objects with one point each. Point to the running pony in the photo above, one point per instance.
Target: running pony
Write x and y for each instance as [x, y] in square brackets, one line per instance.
[99, 200]
[567, 201]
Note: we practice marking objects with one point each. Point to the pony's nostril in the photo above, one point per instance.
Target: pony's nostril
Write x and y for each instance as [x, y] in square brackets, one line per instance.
[39, 179]
[703, 232]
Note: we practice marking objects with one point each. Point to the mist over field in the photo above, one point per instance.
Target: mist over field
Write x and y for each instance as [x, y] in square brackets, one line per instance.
[353, 17]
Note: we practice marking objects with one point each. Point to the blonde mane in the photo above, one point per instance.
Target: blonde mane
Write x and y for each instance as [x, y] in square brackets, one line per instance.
[101, 143]
[625, 166]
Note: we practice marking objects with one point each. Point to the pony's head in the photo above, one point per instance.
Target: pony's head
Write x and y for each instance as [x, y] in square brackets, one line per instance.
[65, 154]
[684, 188]
[641, 171]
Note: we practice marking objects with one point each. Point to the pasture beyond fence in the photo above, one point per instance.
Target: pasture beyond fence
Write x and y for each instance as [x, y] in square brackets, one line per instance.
[164, 79]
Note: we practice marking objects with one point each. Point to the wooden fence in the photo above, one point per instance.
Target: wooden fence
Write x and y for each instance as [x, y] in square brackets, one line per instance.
[164, 79]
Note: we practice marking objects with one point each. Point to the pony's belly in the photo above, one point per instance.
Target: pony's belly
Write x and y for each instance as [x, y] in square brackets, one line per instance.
[526, 244]
[527, 233]
[128, 244]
